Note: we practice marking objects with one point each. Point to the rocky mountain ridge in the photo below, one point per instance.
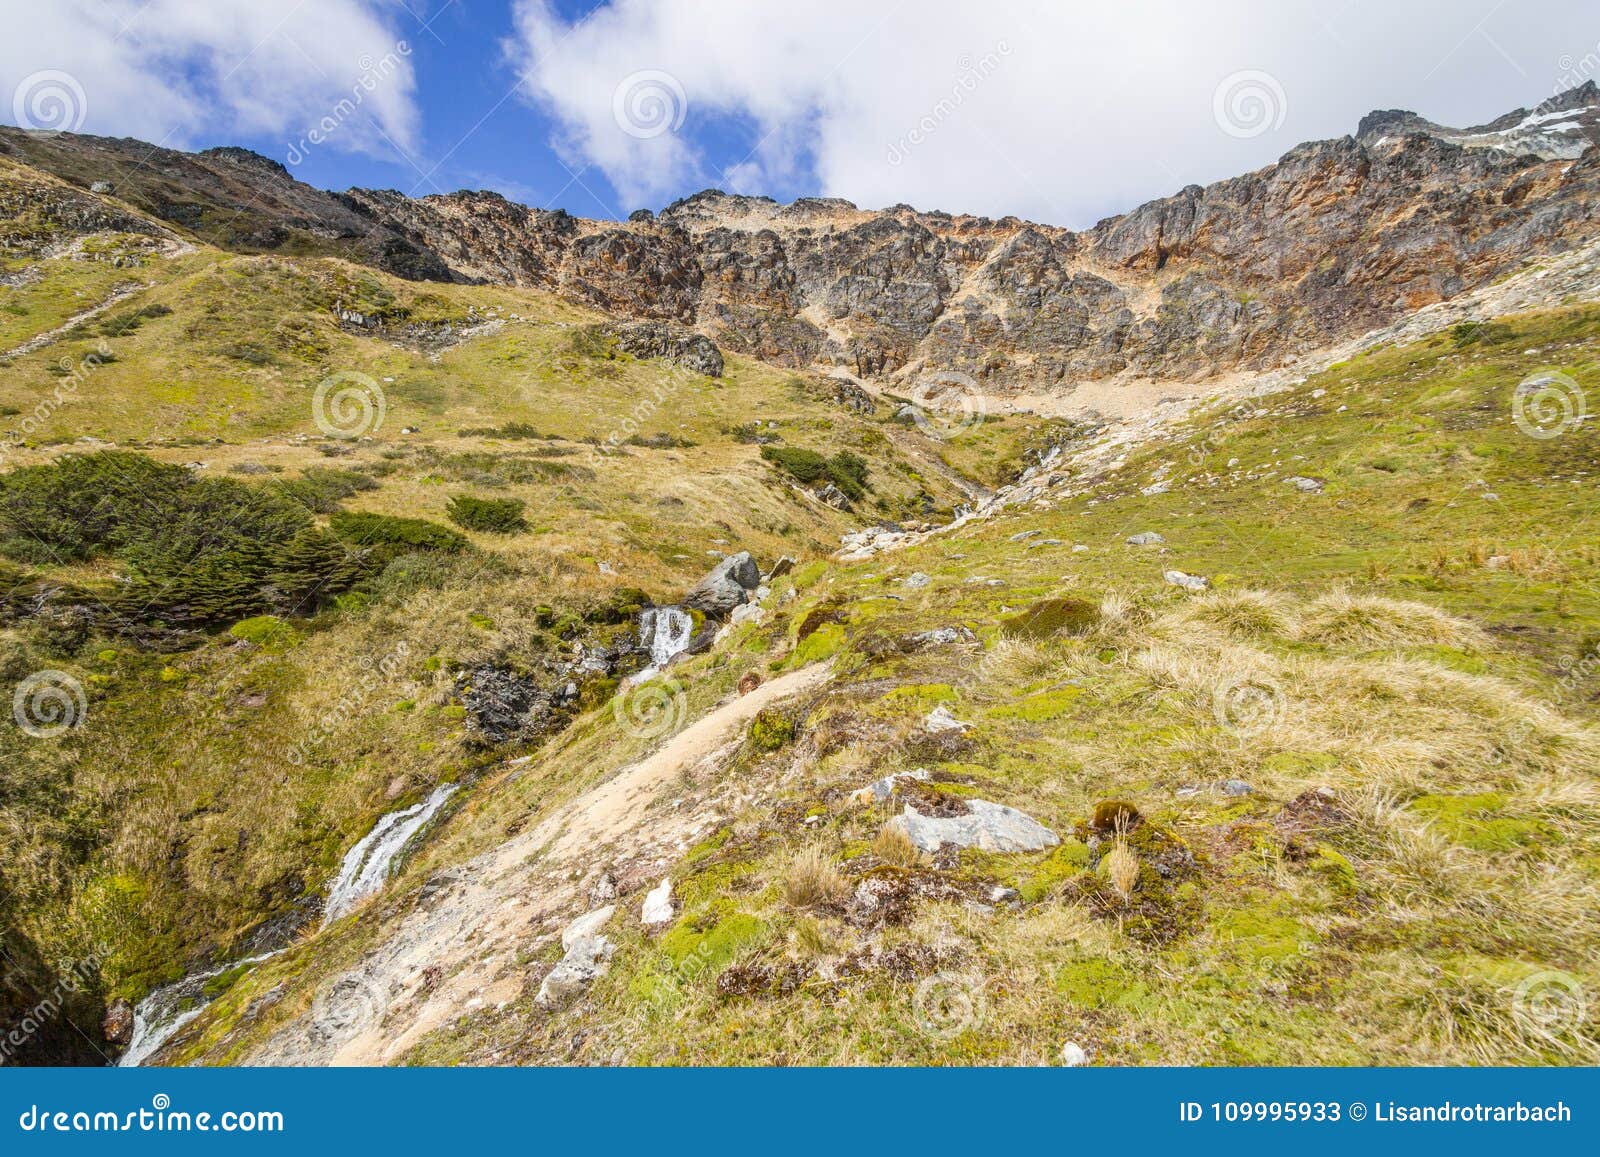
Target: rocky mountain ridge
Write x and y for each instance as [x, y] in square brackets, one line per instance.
[1335, 238]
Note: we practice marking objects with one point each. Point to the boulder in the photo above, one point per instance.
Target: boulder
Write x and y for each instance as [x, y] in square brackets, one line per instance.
[1145, 538]
[585, 927]
[990, 827]
[117, 1024]
[585, 962]
[1189, 582]
[727, 586]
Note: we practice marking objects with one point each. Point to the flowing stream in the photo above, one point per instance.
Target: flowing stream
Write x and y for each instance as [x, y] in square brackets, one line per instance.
[664, 632]
[158, 1017]
[366, 866]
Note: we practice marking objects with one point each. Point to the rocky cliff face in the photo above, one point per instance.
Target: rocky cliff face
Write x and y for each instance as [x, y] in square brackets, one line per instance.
[1335, 238]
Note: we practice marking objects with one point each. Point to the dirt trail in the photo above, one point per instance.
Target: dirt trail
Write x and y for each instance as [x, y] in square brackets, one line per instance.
[39, 341]
[470, 932]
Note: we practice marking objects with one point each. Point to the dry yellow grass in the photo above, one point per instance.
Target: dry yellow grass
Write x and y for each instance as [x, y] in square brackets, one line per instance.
[812, 881]
[893, 846]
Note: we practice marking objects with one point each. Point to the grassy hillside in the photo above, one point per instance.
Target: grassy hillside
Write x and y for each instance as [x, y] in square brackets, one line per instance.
[259, 677]
[1339, 808]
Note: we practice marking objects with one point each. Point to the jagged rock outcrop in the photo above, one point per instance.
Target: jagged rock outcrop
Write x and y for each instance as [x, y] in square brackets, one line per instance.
[670, 343]
[1336, 238]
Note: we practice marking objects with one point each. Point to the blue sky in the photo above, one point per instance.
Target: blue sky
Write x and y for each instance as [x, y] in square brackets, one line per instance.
[1062, 112]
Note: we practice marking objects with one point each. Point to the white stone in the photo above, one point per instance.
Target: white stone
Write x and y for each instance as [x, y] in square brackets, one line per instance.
[881, 789]
[1073, 1056]
[657, 905]
[940, 719]
[1189, 582]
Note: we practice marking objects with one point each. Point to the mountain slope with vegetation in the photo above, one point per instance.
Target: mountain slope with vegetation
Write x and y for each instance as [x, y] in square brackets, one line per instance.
[294, 539]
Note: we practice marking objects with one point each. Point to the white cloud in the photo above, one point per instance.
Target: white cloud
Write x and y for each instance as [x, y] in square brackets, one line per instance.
[183, 73]
[1058, 111]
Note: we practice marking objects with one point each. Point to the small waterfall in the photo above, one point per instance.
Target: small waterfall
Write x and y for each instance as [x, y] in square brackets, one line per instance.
[664, 632]
[366, 866]
[158, 1017]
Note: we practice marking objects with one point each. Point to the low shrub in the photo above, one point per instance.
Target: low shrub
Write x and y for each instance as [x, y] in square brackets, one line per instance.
[490, 515]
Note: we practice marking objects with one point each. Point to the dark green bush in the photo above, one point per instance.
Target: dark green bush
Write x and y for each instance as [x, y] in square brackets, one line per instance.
[122, 324]
[845, 470]
[198, 551]
[386, 537]
[490, 515]
[322, 488]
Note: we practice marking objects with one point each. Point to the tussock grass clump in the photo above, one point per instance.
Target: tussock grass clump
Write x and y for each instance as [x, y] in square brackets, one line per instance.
[1244, 613]
[812, 881]
[893, 846]
[1342, 619]
[1122, 868]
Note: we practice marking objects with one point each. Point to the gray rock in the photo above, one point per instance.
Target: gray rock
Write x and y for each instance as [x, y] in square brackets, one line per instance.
[588, 956]
[587, 926]
[1022, 534]
[102, 187]
[1305, 485]
[727, 586]
[991, 827]
[672, 344]
[1145, 538]
[881, 789]
[1234, 787]
[1189, 582]
[585, 962]
[916, 579]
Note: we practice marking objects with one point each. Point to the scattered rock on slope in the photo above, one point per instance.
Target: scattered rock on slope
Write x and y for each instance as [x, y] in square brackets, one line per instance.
[672, 344]
[990, 827]
[588, 956]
